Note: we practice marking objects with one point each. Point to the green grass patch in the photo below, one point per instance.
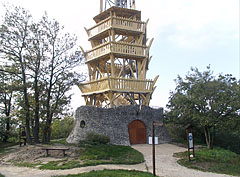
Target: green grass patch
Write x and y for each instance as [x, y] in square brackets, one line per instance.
[59, 141]
[115, 153]
[25, 164]
[112, 173]
[217, 160]
[92, 155]
[1, 175]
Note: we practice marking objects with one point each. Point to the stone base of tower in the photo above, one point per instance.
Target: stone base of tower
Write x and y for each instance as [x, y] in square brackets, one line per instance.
[125, 125]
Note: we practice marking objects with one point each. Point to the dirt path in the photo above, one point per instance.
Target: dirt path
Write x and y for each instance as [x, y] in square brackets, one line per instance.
[165, 165]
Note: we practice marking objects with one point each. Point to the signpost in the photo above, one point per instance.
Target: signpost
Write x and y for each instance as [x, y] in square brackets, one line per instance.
[189, 132]
[153, 144]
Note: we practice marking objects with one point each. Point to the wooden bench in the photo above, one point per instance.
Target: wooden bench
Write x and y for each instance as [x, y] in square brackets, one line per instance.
[55, 149]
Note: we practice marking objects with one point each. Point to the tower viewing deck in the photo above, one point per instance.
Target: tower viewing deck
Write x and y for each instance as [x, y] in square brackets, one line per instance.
[119, 58]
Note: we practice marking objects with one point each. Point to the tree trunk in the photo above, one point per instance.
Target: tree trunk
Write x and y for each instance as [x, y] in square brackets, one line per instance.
[47, 131]
[36, 113]
[7, 110]
[27, 106]
[208, 137]
[6, 136]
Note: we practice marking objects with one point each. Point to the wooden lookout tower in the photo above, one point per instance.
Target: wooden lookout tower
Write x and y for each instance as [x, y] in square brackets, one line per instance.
[119, 58]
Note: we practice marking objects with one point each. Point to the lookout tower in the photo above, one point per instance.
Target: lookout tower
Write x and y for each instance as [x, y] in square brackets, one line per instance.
[119, 58]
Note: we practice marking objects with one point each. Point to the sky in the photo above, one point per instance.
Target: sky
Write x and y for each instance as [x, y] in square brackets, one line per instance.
[187, 33]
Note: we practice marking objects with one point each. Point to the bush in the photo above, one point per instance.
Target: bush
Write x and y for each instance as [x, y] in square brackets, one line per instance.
[228, 140]
[178, 134]
[61, 128]
[97, 138]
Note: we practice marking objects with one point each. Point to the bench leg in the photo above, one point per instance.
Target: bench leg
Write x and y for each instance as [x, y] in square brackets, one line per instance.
[47, 152]
[64, 153]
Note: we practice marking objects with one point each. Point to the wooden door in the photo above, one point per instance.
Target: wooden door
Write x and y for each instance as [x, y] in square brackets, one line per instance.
[137, 132]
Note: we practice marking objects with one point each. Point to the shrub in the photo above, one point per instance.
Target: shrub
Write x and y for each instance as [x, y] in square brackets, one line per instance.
[228, 140]
[97, 138]
[61, 128]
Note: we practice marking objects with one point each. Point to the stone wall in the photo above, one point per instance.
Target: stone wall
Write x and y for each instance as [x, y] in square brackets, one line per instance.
[113, 122]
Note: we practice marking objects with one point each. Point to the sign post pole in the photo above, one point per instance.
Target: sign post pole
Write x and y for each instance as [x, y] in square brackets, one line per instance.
[153, 144]
[153, 150]
[189, 132]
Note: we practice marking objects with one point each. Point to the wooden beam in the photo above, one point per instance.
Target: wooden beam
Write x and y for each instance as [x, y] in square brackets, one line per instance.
[133, 100]
[131, 70]
[149, 46]
[111, 99]
[112, 65]
[100, 72]
[101, 6]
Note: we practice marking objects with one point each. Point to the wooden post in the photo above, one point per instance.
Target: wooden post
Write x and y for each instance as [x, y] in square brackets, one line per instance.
[101, 6]
[112, 65]
[153, 150]
[153, 145]
[189, 131]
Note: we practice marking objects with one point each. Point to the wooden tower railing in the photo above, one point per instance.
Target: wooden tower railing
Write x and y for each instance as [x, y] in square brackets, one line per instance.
[118, 61]
[117, 84]
[116, 22]
[121, 49]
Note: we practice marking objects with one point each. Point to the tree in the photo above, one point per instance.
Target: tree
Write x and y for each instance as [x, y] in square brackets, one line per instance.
[7, 86]
[14, 37]
[205, 101]
[44, 58]
[59, 75]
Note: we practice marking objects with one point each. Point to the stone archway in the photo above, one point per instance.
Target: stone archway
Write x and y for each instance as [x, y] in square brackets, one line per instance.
[137, 132]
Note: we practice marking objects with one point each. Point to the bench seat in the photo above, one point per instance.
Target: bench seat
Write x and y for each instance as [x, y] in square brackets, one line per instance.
[47, 149]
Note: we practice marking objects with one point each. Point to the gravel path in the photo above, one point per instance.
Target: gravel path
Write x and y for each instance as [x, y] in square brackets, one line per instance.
[166, 165]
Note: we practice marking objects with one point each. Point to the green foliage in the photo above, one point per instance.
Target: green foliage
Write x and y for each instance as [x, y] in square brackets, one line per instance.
[228, 140]
[177, 132]
[112, 173]
[11, 134]
[59, 141]
[205, 101]
[217, 160]
[1, 175]
[41, 59]
[25, 164]
[95, 138]
[2, 129]
[61, 128]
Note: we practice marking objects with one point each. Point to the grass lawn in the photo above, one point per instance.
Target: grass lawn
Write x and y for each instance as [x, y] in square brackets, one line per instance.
[217, 160]
[92, 155]
[112, 173]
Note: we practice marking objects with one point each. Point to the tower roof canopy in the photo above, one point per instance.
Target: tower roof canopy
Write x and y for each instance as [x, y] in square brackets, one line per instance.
[121, 12]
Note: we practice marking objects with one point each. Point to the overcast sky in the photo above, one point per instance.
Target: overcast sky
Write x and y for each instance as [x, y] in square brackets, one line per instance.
[187, 33]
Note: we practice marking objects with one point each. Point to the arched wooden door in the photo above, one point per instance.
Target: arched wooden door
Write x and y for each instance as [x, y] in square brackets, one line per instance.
[137, 132]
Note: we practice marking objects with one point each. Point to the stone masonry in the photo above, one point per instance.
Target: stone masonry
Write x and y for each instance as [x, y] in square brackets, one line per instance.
[113, 122]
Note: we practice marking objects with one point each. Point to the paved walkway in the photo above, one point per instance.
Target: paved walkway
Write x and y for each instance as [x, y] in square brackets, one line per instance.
[166, 165]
